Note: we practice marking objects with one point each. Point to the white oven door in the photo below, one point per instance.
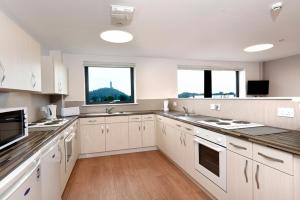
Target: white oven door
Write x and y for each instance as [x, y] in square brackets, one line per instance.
[210, 160]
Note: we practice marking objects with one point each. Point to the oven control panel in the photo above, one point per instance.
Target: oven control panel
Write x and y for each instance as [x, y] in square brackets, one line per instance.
[211, 136]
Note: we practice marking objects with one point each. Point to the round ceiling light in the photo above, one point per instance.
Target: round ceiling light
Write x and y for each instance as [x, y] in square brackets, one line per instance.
[258, 47]
[116, 36]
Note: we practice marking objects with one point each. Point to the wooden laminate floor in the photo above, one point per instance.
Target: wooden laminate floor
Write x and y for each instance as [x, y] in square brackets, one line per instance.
[136, 176]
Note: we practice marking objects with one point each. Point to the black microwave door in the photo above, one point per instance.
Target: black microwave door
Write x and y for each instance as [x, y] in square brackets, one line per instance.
[11, 126]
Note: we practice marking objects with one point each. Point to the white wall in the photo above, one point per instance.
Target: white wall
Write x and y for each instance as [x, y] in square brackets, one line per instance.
[156, 78]
[284, 76]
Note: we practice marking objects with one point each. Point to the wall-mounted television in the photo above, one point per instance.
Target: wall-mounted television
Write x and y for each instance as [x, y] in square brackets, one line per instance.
[258, 87]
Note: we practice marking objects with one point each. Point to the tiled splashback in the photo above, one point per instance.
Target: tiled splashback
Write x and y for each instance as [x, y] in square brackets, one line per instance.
[142, 105]
[260, 111]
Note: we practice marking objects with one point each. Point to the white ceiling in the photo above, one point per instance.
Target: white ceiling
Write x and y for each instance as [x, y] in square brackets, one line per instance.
[193, 29]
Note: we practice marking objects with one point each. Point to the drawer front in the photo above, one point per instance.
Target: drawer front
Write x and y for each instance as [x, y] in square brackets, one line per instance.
[92, 120]
[277, 159]
[239, 146]
[135, 118]
[116, 119]
[187, 128]
[148, 117]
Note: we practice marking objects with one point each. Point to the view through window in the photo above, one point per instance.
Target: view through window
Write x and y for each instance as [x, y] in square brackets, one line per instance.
[194, 83]
[190, 83]
[224, 84]
[109, 85]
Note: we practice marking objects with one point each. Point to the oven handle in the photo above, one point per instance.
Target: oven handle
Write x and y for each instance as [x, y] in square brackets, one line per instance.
[208, 144]
[71, 136]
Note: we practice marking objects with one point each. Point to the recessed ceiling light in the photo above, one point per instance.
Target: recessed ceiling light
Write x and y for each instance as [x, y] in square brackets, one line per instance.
[258, 47]
[116, 36]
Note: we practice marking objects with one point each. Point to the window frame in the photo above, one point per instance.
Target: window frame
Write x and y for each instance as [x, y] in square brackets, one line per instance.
[132, 84]
[208, 80]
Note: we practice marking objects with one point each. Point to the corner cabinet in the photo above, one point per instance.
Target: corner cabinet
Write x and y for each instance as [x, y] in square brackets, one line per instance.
[54, 74]
[20, 62]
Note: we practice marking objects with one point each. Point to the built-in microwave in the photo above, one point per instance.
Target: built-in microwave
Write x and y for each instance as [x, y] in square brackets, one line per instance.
[13, 125]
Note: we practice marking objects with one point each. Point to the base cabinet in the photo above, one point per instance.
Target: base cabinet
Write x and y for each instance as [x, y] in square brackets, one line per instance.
[239, 177]
[148, 134]
[92, 138]
[135, 135]
[270, 183]
[116, 136]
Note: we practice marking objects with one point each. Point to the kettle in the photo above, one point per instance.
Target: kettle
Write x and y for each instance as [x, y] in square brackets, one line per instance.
[50, 111]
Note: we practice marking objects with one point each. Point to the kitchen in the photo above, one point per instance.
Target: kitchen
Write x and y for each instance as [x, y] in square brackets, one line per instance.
[132, 100]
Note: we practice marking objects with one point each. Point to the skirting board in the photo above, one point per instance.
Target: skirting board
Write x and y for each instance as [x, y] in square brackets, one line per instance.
[109, 153]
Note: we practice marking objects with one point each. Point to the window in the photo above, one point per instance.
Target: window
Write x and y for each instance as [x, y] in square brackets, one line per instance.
[190, 83]
[207, 83]
[224, 84]
[113, 85]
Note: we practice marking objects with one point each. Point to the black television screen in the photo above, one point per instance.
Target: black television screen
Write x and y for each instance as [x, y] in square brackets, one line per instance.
[258, 87]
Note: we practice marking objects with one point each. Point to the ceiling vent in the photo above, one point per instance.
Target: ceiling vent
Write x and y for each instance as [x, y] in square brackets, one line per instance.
[121, 15]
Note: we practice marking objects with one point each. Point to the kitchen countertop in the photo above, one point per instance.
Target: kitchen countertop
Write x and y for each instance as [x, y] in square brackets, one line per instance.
[287, 141]
[14, 155]
[11, 157]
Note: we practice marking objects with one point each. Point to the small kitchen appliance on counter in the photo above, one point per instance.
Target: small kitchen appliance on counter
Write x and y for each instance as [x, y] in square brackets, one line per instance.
[13, 125]
[50, 111]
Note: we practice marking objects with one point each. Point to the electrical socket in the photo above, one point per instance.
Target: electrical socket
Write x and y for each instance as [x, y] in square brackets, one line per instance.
[286, 112]
[215, 107]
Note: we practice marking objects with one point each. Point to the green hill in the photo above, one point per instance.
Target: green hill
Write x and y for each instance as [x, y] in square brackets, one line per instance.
[107, 95]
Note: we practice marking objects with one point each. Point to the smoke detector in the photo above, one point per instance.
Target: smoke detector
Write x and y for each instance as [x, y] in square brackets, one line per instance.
[277, 6]
[121, 15]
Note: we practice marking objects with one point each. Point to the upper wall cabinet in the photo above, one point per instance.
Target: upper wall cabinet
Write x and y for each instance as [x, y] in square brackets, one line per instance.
[54, 74]
[20, 64]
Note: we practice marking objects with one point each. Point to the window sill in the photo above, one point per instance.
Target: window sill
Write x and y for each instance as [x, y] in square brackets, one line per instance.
[111, 105]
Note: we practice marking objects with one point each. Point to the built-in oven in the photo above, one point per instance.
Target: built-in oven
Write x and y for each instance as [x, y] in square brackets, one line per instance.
[210, 156]
[13, 125]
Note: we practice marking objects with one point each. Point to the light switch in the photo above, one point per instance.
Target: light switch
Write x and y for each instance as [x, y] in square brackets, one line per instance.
[286, 112]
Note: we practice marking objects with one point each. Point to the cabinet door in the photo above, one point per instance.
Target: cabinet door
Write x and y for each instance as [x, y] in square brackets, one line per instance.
[63, 176]
[92, 138]
[270, 183]
[135, 135]
[239, 177]
[159, 134]
[148, 134]
[172, 141]
[189, 153]
[116, 136]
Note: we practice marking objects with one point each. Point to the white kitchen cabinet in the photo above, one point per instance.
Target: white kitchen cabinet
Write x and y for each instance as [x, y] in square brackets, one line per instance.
[189, 153]
[270, 183]
[20, 65]
[92, 138]
[135, 135]
[63, 177]
[239, 177]
[170, 141]
[148, 134]
[50, 172]
[116, 136]
[160, 133]
[54, 74]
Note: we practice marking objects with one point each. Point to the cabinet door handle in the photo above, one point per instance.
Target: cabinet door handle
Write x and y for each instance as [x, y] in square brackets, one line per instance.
[180, 139]
[184, 140]
[107, 130]
[60, 153]
[256, 176]
[270, 158]
[139, 128]
[102, 130]
[245, 171]
[91, 121]
[3, 73]
[237, 146]
[144, 127]
[188, 129]
[178, 125]
[33, 81]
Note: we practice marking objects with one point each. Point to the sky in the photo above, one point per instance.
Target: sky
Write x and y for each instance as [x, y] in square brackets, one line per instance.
[193, 81]
[100, 77]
